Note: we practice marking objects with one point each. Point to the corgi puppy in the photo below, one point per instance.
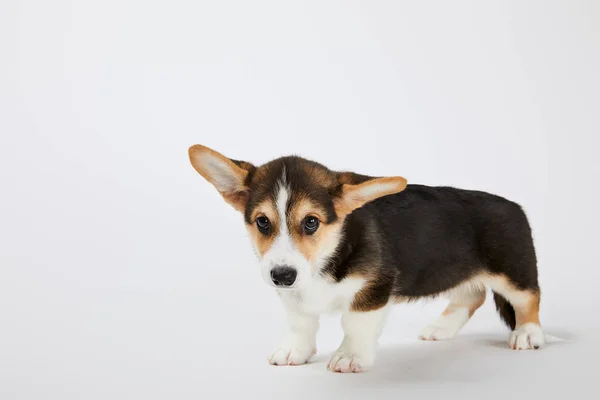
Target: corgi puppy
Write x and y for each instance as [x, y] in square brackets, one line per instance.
[330, 241]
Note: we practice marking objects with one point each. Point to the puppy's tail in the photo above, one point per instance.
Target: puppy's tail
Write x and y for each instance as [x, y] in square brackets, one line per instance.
[506, 311]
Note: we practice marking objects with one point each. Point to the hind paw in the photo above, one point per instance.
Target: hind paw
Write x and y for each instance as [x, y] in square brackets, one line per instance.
[526, 337]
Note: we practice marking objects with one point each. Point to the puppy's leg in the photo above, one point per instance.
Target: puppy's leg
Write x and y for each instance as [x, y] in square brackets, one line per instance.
[508, 248]
[463, 303]
[361, 332]
[299, 343]
[527, 332]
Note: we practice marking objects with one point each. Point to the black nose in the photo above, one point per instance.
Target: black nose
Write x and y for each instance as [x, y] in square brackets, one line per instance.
[283, 275]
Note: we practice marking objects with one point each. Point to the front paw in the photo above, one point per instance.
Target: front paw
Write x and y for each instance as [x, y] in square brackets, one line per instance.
[346, 361]
[291, 355]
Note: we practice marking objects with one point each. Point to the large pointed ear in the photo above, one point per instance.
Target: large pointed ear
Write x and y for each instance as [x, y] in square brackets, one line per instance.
[357, 190]
[226, 175]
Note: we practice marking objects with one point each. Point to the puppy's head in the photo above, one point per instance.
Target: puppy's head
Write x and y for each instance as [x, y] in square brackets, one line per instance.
[293, 208]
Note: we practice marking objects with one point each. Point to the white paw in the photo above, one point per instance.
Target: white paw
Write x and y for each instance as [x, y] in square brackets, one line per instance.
[436, 332]
[345, 361]
[286, 355]
[527, 336]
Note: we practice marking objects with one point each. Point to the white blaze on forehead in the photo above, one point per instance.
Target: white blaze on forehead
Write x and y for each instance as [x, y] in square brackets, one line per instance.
[283, 196]
[283, 251]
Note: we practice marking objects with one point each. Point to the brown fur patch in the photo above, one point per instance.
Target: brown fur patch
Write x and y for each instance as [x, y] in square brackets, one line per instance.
[526, 302]
[529, 312]
[263, 242]
[326, 236]
[371, 297]
[375, 293]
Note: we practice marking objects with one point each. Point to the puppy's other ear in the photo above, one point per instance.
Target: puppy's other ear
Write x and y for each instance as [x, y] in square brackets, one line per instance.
[228, 176]
[356, 190]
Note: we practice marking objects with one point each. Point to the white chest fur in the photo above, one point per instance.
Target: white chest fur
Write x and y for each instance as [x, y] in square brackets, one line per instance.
[321, 296]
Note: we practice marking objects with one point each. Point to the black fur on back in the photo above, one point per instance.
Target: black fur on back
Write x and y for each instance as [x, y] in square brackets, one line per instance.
[425, 240]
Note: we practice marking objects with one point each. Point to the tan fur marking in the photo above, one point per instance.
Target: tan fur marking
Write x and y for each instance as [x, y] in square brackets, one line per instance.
[529, 312]
[363, 300]
[525, 302]
[304, 208]
[261, 242]
[326, 236]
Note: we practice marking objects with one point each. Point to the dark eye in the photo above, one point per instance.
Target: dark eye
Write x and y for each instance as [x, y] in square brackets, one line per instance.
[263, 224]
[311, 224]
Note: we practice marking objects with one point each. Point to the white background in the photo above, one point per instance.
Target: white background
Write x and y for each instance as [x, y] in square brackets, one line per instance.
[124, 275]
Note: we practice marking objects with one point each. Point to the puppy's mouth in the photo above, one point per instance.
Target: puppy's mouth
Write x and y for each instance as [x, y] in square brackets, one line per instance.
[284, 288]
